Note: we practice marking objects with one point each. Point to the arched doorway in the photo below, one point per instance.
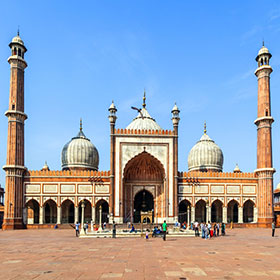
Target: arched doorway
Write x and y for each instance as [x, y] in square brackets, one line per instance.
[248, 211]
[200, 211]
[184, 213]
[104, 211]
[217, 211]
[50, 212]
[143, 175]
[232, 211]
[32, 212]
[67, 211]
[143, 201]
[87, 211]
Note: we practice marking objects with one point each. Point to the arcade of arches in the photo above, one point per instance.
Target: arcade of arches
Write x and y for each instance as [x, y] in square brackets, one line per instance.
[216, 212]
[144, 201]
[67, 213]
[143, 189]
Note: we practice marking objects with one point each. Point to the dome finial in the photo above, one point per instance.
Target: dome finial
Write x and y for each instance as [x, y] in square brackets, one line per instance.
[81, 124]
[144, 99]
[263, 42]
[205, 130]
[18, 31]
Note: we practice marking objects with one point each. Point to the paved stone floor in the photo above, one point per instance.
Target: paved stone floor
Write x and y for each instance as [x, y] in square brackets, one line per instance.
[58, 254]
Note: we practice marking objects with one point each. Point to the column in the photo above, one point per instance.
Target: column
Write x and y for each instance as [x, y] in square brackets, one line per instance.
[188, 215]
[225, 214]
[24, 216]
[58, 214]
[93, 214]
[76, 214]
[208, 214]
[192, 213]
[82, 218]
[255, 218]
[240, 215]
[100, 218]
[41, 215]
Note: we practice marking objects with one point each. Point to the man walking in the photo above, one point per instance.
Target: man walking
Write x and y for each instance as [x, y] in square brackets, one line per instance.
[273, 228]
[77, 224]
[164, 229]
[114, 229]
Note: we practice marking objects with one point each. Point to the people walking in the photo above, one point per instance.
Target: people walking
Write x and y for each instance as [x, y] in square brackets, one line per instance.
[114, 229]
[218, 229]
[164, 230]
[273, 228]
[77, 225]
[202, 230]
[86, 227]
[196, 229]
[223, 229]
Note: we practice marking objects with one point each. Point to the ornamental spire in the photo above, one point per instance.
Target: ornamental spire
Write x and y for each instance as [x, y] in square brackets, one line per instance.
[144, 99]
[81, 124]
[205, 130]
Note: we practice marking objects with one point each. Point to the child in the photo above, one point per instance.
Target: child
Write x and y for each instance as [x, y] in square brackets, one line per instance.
[147, 234]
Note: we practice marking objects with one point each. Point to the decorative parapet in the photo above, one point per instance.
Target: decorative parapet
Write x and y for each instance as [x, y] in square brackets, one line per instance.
[144, 132]
[66, 173]
[200, 174]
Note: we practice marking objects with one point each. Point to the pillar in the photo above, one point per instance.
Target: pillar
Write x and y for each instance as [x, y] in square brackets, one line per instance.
[76, 214]
[255, 218]
[192, 214]
[225, 214]
[240, 214]
[208, 214]
[82, 218]
[93, 213]
[41, 215]
[58, 215]
[188, 216]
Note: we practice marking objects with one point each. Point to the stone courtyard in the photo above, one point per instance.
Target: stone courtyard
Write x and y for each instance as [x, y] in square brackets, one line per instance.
[58, 254]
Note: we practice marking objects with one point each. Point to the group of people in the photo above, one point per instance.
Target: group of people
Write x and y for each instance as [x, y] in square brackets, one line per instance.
[208, 230]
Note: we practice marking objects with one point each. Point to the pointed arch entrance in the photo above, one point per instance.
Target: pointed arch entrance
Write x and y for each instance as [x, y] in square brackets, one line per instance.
[143, 202]
[143, 188]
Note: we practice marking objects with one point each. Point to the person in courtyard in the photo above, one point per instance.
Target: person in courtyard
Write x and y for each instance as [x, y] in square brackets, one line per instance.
[77, 226]
[202, 230]
[196, 229]
[104, 225]
[223, 229]
[273, 228]
[215, 230]
[132, 228]
[164, 230]
[209, 227]
[147, 234]
[114, 229]
[218, 229]
[86, 227]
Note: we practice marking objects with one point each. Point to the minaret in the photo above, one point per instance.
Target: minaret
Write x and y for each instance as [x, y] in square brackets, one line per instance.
[14, 168]
[175, 120]
[112, 119]
[264, 121]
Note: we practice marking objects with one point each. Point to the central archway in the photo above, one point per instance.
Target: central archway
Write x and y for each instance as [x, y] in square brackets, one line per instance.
[143, 201]
[143, 182]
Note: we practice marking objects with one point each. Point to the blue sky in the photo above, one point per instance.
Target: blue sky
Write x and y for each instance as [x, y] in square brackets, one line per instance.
[83, 54]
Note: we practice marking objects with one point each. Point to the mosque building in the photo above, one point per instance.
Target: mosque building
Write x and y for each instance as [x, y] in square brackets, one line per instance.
[143, 175]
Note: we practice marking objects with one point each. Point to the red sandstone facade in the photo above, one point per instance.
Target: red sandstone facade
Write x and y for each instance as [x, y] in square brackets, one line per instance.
[143, 165]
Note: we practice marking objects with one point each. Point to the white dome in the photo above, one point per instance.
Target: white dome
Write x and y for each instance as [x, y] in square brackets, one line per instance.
[80, 153]
[206, 155]
[263, 50]
[18, 40]
[144, 121]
